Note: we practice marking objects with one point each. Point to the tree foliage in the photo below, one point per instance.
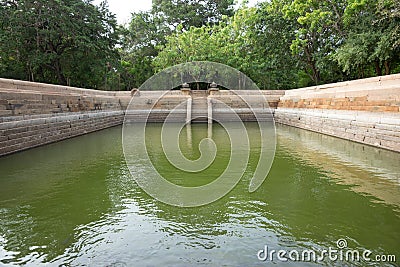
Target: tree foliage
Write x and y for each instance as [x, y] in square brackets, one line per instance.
[373, 41]
[291, 43]
[273, 35]
[147, 30]
[64, 42]
[191, 13]
[139, 41]
[231, 42]
[280, 44]
[318, 33]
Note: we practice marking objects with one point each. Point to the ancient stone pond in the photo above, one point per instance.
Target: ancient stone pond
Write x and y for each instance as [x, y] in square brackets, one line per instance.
[75, 203]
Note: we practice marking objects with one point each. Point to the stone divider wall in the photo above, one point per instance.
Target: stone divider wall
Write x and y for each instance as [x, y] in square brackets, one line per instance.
[366, 111]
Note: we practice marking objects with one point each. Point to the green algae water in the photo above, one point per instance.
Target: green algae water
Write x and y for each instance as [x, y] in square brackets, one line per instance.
[75, 203]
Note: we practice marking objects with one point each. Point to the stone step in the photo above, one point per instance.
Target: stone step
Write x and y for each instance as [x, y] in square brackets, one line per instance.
[202, 93]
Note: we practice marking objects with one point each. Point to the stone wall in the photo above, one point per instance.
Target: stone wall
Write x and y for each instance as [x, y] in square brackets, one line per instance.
[366, 111]
[162, 103]
[33, 131]
[241, 100]
[19, 98]
[34, 114]
[271, 98]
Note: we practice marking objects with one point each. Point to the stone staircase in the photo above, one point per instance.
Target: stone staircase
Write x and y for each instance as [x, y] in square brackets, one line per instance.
[199, 106]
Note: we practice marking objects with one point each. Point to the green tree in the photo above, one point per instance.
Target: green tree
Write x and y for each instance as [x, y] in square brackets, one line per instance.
[227, 42]
[190, 13]
[276, 67]
[147, 30]
[373, 41]
[139, 41]
[251, 41]
[318, 34]
[64, 42]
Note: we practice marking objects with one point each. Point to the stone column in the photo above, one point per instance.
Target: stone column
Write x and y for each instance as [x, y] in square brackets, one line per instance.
[185, 89]
[213, 89]
[210, 111]
[189, 111]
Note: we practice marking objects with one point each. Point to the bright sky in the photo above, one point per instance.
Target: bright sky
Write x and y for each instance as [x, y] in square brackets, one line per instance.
[124, 8]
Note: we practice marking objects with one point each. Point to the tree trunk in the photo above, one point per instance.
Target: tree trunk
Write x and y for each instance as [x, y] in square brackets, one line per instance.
[316, 76]
[378, 68]
[31, 77]
[60, 76]
[387, 67]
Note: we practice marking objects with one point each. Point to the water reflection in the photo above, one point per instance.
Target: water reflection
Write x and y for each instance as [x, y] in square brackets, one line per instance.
[75, 203]
[368, 170]
[47, 192]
